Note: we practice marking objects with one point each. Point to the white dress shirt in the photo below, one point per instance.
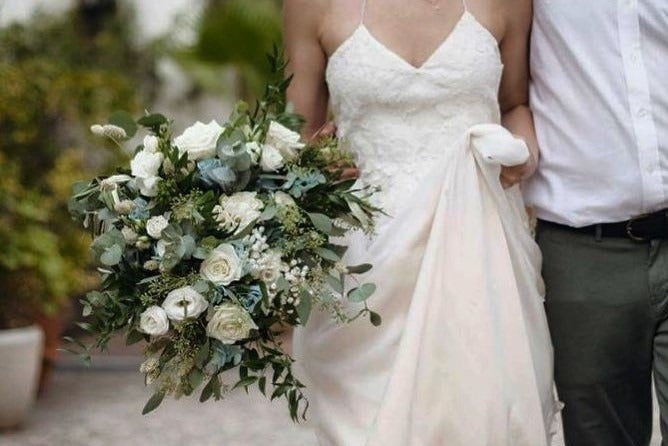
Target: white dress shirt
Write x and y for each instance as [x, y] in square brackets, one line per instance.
[599, 94]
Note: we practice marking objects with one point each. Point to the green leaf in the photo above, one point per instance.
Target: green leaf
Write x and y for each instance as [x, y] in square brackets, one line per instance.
[360, 269]
[327, 254]
[195, 378]
[112, 256]
[304, 307]
[335, 283]
[123, 120]
[153, 402]
[152, 120]
[133, 337]
[203, 355]
[361, 293]
[245, 382]
[262, 385]
[321, 222]
[375, 319]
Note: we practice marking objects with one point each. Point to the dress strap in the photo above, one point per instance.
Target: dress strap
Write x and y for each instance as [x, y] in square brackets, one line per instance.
[466, 8]
[363, 12]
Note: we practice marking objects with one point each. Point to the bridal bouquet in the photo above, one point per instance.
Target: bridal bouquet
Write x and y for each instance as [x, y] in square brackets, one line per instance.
[212, 242]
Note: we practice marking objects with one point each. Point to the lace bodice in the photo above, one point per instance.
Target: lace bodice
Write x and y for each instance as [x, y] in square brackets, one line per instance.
[397, 118]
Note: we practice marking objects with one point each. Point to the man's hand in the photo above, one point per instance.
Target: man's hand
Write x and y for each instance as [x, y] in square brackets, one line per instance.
[327, 130]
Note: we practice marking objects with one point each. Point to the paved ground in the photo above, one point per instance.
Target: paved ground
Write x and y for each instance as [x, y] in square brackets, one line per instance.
[103, 408]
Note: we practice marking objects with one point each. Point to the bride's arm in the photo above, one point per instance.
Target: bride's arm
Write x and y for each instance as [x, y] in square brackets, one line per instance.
[514, 92]
[307, 61]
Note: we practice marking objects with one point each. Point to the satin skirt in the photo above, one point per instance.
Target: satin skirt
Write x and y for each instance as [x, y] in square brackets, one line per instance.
[463, 356]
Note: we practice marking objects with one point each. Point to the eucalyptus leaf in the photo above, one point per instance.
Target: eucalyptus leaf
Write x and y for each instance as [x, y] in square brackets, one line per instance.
[304, 307]
[321, 222]
[360, 269]
[361, 293]
[153, 402]
[327, 254]
[125, 121]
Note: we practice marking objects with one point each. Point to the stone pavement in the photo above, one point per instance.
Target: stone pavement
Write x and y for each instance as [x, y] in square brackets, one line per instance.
[102, 407]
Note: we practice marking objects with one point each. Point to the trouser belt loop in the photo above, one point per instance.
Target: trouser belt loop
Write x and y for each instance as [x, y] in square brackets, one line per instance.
[599, 233]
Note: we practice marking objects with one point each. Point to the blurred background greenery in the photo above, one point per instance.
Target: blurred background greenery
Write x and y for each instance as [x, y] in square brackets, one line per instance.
[60, 73]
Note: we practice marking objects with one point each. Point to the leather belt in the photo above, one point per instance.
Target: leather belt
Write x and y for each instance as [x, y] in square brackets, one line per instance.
[640, 229]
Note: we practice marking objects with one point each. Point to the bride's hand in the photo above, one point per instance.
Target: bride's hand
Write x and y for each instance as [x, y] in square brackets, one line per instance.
[327, 130]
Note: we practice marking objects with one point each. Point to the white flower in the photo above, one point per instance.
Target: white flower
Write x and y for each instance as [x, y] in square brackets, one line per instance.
[151, 265]
[271, 159]
[254, 149]
[148, 186]
[155, 225]
[237, 211]
[283, 199]
[124, 207]
[97, 130]
[199, 140]
[109, 130]
[146, 164]
[151, 143]
[285, 140]
[153, 321]
[230, 323]
[129, 234]
[222, 266]
[269, 267]
[183, 303]
[112, 182]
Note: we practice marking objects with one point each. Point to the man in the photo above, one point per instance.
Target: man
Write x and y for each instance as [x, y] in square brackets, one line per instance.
[600, 102]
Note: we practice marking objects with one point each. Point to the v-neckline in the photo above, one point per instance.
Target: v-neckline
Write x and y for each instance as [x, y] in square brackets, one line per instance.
[432, 55]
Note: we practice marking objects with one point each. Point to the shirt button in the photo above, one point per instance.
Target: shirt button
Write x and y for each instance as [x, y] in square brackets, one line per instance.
[642, 112]
[650, 169]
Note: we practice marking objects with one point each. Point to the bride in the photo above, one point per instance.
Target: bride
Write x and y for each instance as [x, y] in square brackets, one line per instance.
[420, 90]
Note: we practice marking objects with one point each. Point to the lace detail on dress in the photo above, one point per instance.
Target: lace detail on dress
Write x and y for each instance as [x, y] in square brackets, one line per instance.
[398, 119]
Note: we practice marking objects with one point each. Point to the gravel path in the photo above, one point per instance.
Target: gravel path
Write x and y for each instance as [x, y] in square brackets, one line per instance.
[102, 408]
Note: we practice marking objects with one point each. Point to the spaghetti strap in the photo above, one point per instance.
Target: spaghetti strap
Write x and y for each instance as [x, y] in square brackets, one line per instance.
[363, 12]
[466, 8]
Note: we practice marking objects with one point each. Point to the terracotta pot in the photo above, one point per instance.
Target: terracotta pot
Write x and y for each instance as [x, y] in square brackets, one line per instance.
[52, 326]
[21, 353]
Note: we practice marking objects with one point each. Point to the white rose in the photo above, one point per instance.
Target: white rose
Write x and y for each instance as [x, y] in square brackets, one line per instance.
[153, 321]
[199, 140]
[254, 150]
[271, 159]
[230, 323]
[285, 140]
[155, 225]
[183, 303]
[222, 266]
[146, 164]
[283, 199]
[151, 143]
[238, 210]
[148, 186]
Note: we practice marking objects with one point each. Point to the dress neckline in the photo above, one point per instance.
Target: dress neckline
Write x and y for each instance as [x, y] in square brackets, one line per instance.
[362, 28]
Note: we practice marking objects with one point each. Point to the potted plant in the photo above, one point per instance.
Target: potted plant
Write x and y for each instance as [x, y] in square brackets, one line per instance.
[26, 245]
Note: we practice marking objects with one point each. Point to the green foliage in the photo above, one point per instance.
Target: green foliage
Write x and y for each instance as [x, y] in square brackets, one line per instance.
[239, 33]
[59, 75]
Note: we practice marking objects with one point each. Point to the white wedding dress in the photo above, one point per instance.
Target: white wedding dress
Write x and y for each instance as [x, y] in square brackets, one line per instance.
[463, 356]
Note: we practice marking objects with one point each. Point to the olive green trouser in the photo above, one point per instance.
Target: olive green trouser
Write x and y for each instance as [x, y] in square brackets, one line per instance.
[607, 306]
